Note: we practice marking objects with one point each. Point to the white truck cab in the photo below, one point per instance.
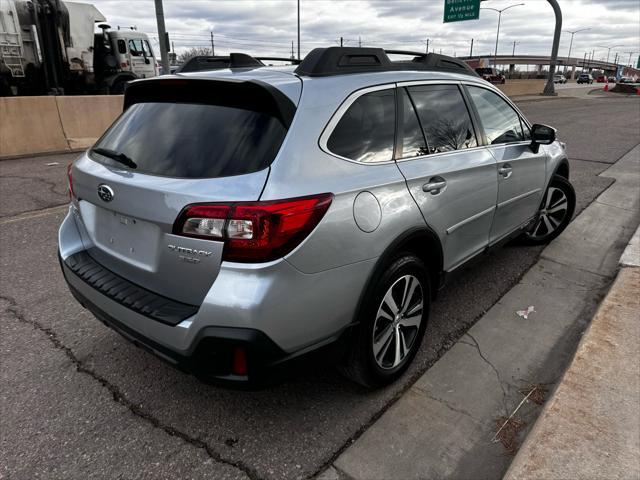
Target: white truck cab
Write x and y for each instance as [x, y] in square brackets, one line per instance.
[134, 52]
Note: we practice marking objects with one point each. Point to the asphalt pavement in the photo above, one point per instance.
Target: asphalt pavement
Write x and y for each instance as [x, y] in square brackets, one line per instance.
[78, 401]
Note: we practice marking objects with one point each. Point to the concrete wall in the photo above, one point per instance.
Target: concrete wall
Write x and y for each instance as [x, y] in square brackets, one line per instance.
[515, 88]
[30, 125]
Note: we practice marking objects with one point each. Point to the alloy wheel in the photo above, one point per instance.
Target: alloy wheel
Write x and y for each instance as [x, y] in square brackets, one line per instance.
[552, 213]
[397, 322]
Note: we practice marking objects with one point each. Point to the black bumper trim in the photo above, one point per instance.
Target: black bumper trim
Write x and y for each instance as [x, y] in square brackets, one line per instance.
[130, 295]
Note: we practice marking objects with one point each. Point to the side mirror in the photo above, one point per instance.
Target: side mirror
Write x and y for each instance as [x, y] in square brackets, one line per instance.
[541, 135]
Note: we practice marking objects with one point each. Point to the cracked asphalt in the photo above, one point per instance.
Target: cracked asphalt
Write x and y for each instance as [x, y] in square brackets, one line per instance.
[79, 401]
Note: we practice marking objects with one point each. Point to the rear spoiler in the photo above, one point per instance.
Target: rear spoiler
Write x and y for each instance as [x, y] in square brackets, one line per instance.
[244, 94]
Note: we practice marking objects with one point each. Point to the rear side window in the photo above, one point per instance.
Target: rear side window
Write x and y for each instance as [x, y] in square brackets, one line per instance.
[122, 46]
[444, 117]
[501, 123]
[366, 131]
[413, 141]
[193, 140]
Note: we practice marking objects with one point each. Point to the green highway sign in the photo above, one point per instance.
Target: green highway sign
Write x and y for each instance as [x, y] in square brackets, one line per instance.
[460, 10]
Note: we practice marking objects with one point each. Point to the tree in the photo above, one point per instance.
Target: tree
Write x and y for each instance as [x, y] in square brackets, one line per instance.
[193, 52]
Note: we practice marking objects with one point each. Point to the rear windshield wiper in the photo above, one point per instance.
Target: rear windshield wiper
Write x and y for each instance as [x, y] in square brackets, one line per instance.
[117, 156]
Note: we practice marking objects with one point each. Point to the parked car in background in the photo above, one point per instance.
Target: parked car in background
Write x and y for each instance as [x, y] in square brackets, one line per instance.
[585, 78]
[234, 221]
[611, 79]
[559, 79]
[601, 79]
[491, 75]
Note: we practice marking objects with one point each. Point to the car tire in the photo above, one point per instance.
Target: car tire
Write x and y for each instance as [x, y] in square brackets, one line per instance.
[390, 326]
[556, 211]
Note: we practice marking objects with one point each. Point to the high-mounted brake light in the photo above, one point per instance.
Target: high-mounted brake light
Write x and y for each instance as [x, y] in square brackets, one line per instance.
[254, 231]
[70, 181]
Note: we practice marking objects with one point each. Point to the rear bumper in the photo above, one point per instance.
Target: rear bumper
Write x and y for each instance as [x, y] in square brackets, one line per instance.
[212, 357]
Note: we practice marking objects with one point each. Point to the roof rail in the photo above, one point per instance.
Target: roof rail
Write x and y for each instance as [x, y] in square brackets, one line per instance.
[322, 62]
[293, 61]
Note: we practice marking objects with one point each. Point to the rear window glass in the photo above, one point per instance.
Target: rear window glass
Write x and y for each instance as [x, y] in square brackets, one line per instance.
[366, 131]
[193, 140]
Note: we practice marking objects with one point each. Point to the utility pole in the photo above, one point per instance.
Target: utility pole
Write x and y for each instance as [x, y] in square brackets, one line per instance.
[471, 51]
[584, 59]
[359, 42]
[213, 45]
[341, 41]
[513, 53]
[162, 34]
[292, 57]
[298, 29]
[427, 50]
[630, 55]
[615, 59]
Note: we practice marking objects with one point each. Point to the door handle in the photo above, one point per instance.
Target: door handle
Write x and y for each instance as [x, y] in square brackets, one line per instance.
[505, 170]
[435, 185]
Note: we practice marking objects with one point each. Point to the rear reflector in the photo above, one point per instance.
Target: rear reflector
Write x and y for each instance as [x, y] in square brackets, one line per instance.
[254, 231]
[239, 366]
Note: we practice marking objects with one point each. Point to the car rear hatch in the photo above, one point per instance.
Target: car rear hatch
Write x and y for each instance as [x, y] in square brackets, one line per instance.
[180, 141]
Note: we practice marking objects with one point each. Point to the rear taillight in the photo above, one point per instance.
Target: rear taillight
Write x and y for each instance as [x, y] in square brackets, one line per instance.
[254, 231]
[70, 181]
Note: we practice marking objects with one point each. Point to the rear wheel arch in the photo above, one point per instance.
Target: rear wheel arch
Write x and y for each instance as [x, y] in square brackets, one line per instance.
[423, 243]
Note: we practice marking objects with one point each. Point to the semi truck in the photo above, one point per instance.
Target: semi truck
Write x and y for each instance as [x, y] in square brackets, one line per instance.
[52, 47]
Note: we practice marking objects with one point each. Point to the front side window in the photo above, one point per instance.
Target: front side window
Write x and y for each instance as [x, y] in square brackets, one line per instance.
[366, 131]
[136, 48]
[501, 122]
[444, 117]
[147, 49]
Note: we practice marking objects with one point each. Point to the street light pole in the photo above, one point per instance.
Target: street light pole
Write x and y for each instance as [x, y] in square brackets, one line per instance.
[609, 49]
[549, 88]
[571, 45]
[495, 53]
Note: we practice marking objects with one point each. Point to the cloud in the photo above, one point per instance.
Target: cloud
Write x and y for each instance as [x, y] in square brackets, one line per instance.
[264, 27]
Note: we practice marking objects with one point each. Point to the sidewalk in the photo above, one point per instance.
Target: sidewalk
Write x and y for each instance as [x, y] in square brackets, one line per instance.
[591, 427]
[451, 422]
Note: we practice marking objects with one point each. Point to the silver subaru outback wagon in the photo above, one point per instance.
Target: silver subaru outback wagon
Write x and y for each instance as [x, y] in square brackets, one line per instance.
[241, 221]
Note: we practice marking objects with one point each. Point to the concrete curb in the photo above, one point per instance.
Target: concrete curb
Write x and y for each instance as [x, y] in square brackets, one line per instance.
[590, 428]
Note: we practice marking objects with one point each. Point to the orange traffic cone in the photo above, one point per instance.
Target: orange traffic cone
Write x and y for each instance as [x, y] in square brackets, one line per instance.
[606, 87]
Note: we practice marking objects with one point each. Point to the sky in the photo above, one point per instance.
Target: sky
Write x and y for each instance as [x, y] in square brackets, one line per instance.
[267, 27]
